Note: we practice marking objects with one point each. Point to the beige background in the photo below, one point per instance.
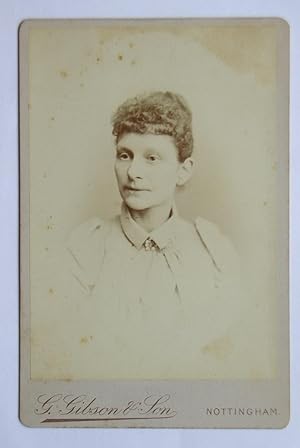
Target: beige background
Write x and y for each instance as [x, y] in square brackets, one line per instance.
[78, 76]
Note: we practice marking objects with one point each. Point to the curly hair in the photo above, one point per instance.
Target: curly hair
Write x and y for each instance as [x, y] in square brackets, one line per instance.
[160, 113]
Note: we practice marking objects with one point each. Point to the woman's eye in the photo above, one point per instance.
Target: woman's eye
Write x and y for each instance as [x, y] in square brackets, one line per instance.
[123, 156]
[153, 158]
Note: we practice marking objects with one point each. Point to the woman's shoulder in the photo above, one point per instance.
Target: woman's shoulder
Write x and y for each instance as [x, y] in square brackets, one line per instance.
[218, 245]
[85, 248]
[89, 234]
[87, 228]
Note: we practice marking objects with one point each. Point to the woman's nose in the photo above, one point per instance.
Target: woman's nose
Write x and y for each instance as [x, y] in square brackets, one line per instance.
[135, 169]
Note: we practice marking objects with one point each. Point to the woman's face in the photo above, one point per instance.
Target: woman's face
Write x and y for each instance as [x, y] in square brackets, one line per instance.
[148, 170]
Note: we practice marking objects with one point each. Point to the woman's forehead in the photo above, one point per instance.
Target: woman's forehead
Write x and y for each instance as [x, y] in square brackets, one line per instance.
[140, 142]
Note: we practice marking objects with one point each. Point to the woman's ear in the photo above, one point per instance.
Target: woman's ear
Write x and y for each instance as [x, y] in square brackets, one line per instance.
[185, 171]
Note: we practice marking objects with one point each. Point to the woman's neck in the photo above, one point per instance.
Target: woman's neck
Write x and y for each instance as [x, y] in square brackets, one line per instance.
[152, 218]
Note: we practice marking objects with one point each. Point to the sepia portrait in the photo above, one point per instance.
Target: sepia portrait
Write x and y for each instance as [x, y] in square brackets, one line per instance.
[154, 177]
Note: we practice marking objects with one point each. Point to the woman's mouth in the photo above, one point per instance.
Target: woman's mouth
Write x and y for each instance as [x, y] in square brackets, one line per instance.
[135, 189]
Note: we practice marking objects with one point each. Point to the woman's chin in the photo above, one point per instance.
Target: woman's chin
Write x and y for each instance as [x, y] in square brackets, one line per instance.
[136, 204]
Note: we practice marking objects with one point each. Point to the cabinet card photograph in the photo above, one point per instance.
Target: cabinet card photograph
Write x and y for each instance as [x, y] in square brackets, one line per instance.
[154, 223]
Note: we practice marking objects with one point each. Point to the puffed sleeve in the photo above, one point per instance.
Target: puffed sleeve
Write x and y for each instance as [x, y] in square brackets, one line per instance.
[223, 352]
[85, 251]
[235, 351]
[221, 251]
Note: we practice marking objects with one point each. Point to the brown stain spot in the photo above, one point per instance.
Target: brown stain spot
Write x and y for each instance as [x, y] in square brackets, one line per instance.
[131, 45]
[50, 224]
[44, 175]
[120, 57]
[265, 203]
[52, 118]
[29, 106]
[85, 339]
[51, 291]
[133, 62]
[64, 73]
[219, 348]
[46, 249]
[83, 70]
[98, 60]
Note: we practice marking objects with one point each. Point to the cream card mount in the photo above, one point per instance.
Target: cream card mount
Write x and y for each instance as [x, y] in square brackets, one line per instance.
[154, 223]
